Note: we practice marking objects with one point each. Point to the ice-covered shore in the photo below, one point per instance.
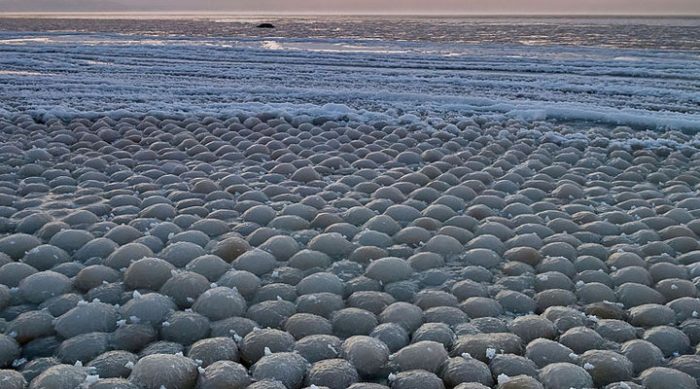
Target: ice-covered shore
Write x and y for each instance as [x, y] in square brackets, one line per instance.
[202, 213]
[336, 250]
[85, 72]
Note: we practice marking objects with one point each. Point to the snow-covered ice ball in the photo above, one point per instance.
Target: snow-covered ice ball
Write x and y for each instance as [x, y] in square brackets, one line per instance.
[211, 350]
[163, 370]
[223, 375]
[60, 376]
[369, 355]
[332, 373]
[286, 367]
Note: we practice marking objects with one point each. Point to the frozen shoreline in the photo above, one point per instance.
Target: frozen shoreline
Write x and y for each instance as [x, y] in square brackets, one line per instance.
[82, 72]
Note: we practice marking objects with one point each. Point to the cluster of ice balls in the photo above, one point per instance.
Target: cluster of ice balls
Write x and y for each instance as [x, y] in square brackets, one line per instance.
[287, 252]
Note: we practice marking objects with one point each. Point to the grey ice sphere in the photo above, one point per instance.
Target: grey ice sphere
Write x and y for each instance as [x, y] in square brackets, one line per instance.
[531, 327]
[245, 282]
[484, 346]
[255, 343]
[12, 379]
[407, 315]
[31, 325]
[476, 307]
[512, 365]
[271, 313]
[332, 373]
[515, 302]
[41, 286]
[211, 350]
[437, 332]
[171, 371]
[642, 354]
[44, 257]
[210, 266]
[184, 327]
[393, 335]
[519, 382]
[415, 379]
[427, 299]
[184, 287]
[13, 273]
[256, 261]
[389, 270]
[149, 308]
[669, 340]
[689, 364]
[581, 339]
[664, 377]
[565, 375]
[286, 367]
[33, 368]
[93, 276]
[9, 350]
[124, 255]
[606, 367]
[59, 377]
[230, 248]
[373, 301]
[17, 245]
[319, 283]
[425, 355]
[369, 355]
[353, 321]
[316, 348]
[83, 347]
[133, 337]
[632, 295]
[651, 315]
[123, 234]
[305, 174]
[282, 247]
[179, 254]
[223, 375]
[332, 244]
[219, 303]
[464, 369]
[615, 330]
[309, 259]
[322, 304]
[96, 248]
[148, 273]
[113, 364]
[305, 324]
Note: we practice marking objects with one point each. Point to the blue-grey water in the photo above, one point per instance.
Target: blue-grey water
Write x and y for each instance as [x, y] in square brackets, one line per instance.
[676, 33]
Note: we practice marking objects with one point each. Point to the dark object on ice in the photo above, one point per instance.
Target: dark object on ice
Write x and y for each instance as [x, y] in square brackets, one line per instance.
[266, 25]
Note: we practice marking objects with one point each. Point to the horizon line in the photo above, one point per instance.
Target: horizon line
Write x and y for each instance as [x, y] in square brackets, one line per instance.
[343, 13]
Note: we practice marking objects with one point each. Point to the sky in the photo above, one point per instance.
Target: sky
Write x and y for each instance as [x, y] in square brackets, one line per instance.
[618, 7]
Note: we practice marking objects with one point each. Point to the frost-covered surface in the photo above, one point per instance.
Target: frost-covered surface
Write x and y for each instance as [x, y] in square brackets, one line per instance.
[87, 71]
[196, 252]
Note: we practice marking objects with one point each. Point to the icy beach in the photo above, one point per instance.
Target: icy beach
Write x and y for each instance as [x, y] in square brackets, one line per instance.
[191, 203]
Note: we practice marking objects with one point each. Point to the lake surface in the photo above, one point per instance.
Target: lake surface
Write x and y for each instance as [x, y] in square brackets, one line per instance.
[641, 72]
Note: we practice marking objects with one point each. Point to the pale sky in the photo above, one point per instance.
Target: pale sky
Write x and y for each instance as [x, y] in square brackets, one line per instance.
[624, 7]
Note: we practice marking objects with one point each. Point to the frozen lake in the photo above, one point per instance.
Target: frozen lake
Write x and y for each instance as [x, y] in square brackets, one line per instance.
[639, 72]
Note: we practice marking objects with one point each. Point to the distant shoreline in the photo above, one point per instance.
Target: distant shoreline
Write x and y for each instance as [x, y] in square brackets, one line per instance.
[208, 14]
